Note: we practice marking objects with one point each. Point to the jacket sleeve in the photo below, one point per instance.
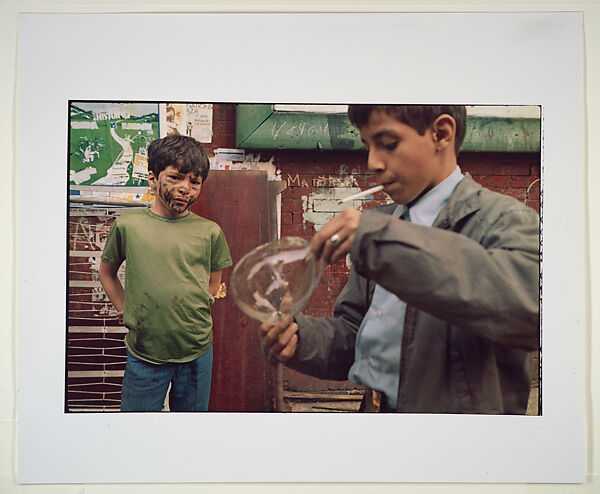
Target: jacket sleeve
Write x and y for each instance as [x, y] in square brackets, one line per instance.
[326, 344]
[489, 285]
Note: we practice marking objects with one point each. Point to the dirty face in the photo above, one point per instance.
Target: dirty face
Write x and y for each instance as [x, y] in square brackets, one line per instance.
[175, 191]
[405, 162]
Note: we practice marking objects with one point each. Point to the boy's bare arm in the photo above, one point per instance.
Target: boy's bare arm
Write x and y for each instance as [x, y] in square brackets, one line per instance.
[112, 285]
[215, 282]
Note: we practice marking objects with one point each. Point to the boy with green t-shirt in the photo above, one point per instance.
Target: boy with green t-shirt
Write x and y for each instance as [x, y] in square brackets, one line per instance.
[174, 265]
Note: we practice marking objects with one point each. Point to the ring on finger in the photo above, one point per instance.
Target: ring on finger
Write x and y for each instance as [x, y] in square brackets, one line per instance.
[335, 240]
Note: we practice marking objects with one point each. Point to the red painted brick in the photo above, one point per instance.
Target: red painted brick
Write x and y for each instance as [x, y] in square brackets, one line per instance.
[221, 127]
[482, 179]
[296, 231]
[338, 277]
[318, 312]
[297, 218]
[475, 168]
[516, 193]
[513, 169]
[287, 194]
[533, 193]
[224, 111]
[521, 180]
[287, 218]
[334, 294]
[504, 181]
[339, 267]
[223, 141]
[291, 205]
[300, 192]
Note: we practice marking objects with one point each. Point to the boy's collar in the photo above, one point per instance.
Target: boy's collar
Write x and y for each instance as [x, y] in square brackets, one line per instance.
[464, 201]
[167, 218]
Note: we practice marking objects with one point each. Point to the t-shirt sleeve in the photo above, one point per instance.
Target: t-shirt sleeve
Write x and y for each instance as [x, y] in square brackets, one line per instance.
[114, 249]
[220, 256]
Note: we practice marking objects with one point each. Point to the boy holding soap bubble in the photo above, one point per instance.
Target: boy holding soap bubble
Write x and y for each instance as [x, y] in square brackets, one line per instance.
[174, 264]
[441, 310]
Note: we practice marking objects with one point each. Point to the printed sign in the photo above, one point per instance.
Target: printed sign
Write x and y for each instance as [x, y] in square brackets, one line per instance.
[109, 142]
[187, 119]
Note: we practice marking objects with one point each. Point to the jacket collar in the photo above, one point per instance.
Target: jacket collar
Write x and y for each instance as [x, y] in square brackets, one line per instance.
[464, 201]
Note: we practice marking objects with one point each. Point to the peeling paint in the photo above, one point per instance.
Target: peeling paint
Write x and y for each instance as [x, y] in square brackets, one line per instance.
[304, 203]
[251, 162]
[322, 205]
[327, 205]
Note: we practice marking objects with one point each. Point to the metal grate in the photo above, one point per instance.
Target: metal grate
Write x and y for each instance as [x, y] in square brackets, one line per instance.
[96, 353]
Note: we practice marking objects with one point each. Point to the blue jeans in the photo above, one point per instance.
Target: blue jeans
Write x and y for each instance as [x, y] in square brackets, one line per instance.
[145, 385]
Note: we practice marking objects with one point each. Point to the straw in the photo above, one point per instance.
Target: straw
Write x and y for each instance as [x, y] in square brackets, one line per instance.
[364, 193]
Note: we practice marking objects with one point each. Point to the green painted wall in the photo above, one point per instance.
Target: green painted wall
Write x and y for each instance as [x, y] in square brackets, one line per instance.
[259, 126]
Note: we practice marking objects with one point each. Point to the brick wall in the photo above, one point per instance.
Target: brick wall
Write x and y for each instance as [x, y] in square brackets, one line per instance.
[223, 126]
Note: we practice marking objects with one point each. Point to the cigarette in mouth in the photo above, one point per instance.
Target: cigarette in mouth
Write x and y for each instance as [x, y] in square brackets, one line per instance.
[364, 193]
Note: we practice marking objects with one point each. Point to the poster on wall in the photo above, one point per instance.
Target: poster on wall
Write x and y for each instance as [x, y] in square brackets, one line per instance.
[187, 119]
[108, 142]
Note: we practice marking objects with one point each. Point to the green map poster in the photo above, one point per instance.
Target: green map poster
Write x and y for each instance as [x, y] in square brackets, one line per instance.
[109, 142]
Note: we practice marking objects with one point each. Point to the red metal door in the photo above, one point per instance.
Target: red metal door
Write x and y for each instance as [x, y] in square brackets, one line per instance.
[242, 380]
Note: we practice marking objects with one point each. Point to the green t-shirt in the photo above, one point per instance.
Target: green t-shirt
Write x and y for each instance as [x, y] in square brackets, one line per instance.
[167, 302]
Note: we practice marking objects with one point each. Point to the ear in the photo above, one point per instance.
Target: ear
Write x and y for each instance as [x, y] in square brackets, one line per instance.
[151, 179]
[443, 132]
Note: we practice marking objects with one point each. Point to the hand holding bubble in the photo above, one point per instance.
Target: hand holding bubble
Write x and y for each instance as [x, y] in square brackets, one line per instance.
[276, 280]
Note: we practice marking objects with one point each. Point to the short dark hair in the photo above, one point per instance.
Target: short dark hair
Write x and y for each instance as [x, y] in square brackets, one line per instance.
[184, 152]
[419, 117]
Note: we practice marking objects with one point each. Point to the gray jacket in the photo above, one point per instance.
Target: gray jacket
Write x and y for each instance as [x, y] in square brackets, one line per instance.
[472, 286]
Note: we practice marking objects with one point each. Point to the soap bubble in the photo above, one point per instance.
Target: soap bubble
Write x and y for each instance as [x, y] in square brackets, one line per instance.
[275, 279]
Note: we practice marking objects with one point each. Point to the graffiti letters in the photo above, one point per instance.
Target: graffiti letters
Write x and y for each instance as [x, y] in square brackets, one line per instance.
[283, 128]
[296, 181]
